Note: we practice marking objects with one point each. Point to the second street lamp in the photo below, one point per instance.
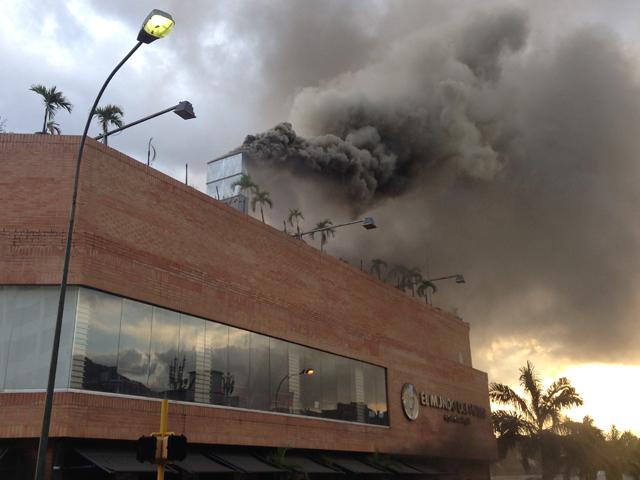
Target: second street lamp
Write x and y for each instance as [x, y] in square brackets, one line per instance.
[158, 24]
[183, 110]
[308, 371]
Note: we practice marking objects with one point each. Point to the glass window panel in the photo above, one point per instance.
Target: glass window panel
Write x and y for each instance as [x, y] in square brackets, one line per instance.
[329, 385]
[239, 346]
[278, 372]
[292, 397]
[224, 187]
[7, 312]
[217, 340]
[311, 385]
[381, 396]
[165, 334]
[259, 398]
[192, 346]
[346, 410]
[134, 348]
[224, 168]
[32, 328]
[370, 404]
[357, 389]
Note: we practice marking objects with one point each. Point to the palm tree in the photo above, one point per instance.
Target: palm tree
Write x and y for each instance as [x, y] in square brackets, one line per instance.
[109, 114]
[583, 449]
[413, 276]
[245, 182]
[534, 425]
[324, 234]
[297, 214]
[261, 197]
[400, 271]
[376, 263]
[423, 289]
[54, 128]
[53, 101]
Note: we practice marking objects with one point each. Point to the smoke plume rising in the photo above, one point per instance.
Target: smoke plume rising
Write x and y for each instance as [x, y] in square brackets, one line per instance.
[479, 153]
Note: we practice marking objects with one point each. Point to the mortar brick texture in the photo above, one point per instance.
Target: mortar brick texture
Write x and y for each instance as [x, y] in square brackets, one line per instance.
[143, 235]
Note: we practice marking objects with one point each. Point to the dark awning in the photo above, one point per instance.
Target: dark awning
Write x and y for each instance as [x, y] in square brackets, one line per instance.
[243, 461]
[308, 465]
[3, 450]
[427, 469]
[115, 459]
[198, 463]
[353, 465]
[402, 469]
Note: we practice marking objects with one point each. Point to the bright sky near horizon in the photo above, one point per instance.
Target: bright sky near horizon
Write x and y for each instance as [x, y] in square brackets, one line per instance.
[501, 137]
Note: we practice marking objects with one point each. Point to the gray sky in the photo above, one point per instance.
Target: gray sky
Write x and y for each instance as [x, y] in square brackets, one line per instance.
[498, 141]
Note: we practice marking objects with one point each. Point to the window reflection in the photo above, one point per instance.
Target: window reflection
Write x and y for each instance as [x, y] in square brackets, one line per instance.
[127, 347]
[101, 314]
[164, 362]
[278, 373]
[237, 378]
[133, 352]
[220, 381]
[259, 398]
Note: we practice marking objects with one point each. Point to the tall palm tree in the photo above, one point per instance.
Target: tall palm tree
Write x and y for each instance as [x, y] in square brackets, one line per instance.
[54, 128]
[423, 289]
[325, 234]
[109, 114]
[53, 101]
[534, 425]
[261, 197]
[295, 214]
[376, 263]
[245, 183]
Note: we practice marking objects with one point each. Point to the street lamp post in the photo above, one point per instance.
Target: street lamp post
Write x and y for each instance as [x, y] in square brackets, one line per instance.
[459, 279]
[183, 110]
[367, 223]
[158, 24]
[308, 371]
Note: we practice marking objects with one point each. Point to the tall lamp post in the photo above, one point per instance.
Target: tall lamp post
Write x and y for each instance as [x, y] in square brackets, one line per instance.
[308, 371]
[157, 25]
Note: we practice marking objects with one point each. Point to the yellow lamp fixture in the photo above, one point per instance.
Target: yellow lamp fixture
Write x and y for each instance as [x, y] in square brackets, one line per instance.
[157, 25]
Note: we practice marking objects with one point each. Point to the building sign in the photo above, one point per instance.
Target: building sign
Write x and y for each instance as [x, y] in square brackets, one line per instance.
[461, 412]
[410, 401]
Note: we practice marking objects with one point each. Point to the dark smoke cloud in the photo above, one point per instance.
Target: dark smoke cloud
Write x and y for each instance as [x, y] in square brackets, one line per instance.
[381, 132]
[513, 163]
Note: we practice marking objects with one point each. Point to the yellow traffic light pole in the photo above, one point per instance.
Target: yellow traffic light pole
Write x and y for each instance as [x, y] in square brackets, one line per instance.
[164, 414]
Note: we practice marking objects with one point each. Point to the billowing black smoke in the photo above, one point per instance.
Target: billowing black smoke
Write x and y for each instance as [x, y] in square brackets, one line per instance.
[377, 139]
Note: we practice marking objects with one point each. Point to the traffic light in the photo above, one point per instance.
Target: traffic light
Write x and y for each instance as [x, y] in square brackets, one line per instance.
[175, 448]
[146, 449]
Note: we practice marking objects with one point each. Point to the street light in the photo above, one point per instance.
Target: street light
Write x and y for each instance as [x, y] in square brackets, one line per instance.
[158, 24]
[183, 110]
[308, 371]
[367, 222]
[459, 279]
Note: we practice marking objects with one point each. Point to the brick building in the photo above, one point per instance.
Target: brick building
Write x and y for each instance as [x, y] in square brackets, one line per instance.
[176, 295]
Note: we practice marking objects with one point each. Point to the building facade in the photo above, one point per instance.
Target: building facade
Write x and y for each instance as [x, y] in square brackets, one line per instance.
[175, 295]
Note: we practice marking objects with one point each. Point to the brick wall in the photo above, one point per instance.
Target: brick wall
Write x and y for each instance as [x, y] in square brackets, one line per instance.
[143, 235]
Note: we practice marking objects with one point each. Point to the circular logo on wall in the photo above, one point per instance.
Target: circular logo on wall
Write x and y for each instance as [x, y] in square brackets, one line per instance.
[410, 401]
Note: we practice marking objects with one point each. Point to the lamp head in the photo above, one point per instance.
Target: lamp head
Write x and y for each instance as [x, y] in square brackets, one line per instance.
[369, 223]
[157, 25]
[308, 371]
[460, 279]
[185, 110]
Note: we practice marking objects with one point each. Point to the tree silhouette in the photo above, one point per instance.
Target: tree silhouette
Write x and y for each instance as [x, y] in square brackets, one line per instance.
[325, 234]
[261, 197]
[535, 423]
[376, 263]
[109, 114]
[53, 101]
